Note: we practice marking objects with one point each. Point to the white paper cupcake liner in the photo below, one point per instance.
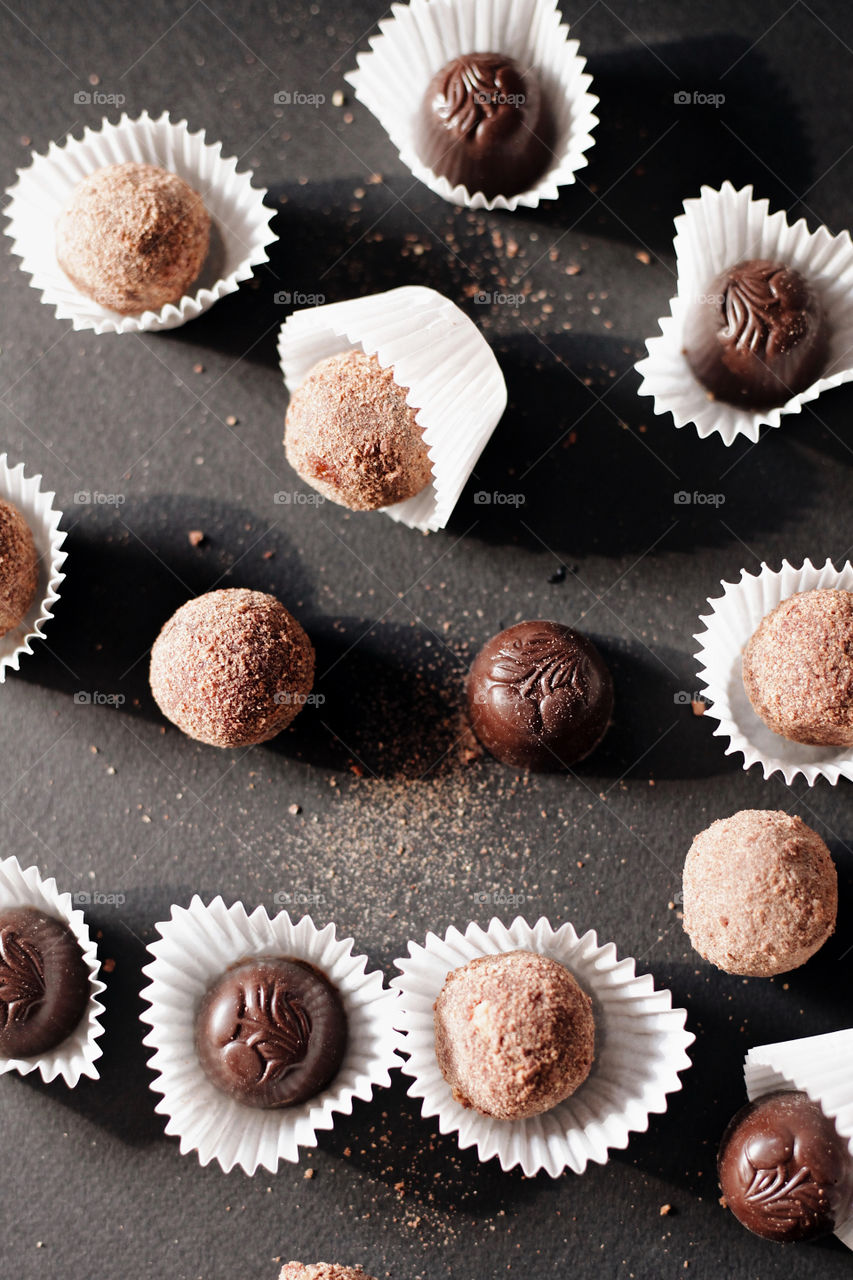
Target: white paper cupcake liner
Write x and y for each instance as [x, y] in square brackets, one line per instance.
[421, 37]
[197, 945]
[733, 619]
[822, 1067]
[236, 207]
[76, 1055]
[715, 231]
[437, 354]
[36, 506]
[640, 1047]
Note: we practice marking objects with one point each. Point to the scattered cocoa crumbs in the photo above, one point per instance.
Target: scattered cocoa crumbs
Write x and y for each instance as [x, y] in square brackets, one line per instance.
[308, 1175]
[294, 808]
[665, 1209]
[195, 537]
[109, 966]
[643, 257]
[697, 706]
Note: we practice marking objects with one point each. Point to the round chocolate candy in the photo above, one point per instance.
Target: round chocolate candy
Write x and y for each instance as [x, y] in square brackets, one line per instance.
[271, 1032]
[758, 336]
[44, 982]
[486, 124]
[785, 1171]
[539, 696]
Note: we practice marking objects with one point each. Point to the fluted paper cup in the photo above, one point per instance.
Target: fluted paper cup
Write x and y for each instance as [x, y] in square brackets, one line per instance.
[820, 1066]
[36, 506]
[421, 37]
[196, 946]
[733, 618]
[437, 355]
[77, 1054]
[42, 191]
[640, 1047]
[716, 230]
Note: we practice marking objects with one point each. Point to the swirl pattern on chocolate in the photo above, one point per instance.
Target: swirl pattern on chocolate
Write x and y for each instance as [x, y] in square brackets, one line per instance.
[477, 87]
[763, 304]
[273, 1025]
[21, 978]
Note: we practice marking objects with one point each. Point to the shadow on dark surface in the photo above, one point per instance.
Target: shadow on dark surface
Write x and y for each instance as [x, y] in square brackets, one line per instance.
[565, 474]
[641, 167]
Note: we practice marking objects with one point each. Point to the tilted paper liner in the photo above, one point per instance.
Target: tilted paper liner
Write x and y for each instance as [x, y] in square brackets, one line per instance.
[421, 37]
[36, 506]
[733, 619]
[42, 191]
[197, 945]
[715, 231]
[437, 354]
[640, 1047]
[822, 1067]
[77, 1054]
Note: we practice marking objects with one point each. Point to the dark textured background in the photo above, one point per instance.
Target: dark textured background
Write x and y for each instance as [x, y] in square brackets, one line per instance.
[392, 838]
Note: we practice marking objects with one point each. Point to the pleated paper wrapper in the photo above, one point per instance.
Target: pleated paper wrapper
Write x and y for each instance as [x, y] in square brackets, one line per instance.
[640, 1048]
[822, 1067]
[36, 506]
[437, 355]
[77, 1054]
[420, 38]
[717, 230]
[236, 207]
[196, 946]
[733, 618]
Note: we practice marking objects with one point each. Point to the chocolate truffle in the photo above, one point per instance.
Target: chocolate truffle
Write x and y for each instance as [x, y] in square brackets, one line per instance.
[133, 237]
[758, 336]
[798, 668]
[485, 124]
[785, 1170]
[350, 434]
[514, 1034]
[44, 982]
[321, 1271]
[760, 893]
[19, 567]
[271, 1032]
[539, 696]
[231, 668]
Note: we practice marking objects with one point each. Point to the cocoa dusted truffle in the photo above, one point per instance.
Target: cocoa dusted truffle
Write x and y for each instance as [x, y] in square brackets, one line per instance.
[514, 1034]
[350, 434]
[758, 336]
[760, 893]
[133, 237]
[785, 1171]
[271, 1032]
[44, 982]
[231, 668]
[486, 124]
[19, 567]
[539, 696]
[321, 1271]
[798, 668]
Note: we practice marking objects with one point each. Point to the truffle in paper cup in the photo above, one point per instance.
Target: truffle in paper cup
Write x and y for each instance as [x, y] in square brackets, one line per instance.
[421, 37]
[717, 230]
[819, 1066]
[36, 506]
[450, 372]
[197, 945]
[240, 221]
[77, 1054]
[733, 618]
[640, 1047]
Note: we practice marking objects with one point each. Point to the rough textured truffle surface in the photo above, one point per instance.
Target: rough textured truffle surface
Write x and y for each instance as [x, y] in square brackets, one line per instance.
[514, 1034]
[133, 237]
[760, 893]
[321, 1271]
[19, 569]
[231, 668]
[350, 434]
[798, 668]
